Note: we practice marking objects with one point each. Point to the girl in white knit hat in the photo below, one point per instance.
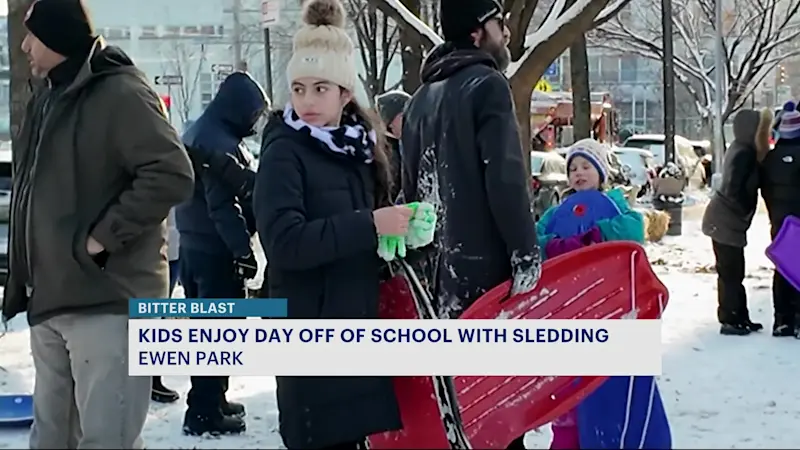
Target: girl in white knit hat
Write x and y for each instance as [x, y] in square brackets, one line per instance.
[600, 420]
[322, 204]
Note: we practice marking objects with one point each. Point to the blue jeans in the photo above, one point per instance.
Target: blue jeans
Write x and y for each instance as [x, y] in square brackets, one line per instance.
[174, 274]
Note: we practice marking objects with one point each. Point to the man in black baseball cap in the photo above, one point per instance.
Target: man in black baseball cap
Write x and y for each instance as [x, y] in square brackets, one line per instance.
[462, 152]
[477, 23]
[97, 167]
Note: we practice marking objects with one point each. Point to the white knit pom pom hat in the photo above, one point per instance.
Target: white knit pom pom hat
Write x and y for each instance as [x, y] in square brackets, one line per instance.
[321, 47]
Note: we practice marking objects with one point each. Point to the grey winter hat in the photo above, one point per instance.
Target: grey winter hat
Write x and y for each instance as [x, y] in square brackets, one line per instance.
[390, 104]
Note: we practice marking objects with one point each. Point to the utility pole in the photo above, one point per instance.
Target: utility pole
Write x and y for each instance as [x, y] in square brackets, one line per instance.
[719, 91]
[268, 62]
[238, 61]
[669, 81]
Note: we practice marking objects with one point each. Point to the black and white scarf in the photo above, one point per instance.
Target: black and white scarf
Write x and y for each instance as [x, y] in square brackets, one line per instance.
[352, 137]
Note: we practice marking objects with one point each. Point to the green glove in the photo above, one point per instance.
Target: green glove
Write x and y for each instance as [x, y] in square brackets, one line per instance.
[422, 225]
[390, 247]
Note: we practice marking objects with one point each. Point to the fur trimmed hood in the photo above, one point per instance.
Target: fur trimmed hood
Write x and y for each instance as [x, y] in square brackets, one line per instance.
[753, 129]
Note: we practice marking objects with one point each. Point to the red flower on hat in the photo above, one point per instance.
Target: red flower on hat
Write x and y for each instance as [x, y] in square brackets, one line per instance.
[579, 210]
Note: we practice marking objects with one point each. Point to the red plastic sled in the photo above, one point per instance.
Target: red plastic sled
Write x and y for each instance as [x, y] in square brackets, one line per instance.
[428, 405]
[612, 280]
[604, 281]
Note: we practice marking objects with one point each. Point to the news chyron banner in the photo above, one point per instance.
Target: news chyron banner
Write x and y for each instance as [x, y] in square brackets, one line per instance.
[252, 337]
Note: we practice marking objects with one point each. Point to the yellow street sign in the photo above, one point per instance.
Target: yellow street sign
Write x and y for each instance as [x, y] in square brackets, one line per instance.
[543, 86]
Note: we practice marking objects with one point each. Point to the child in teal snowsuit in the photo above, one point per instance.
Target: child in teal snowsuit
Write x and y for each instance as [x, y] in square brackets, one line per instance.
[625, 412]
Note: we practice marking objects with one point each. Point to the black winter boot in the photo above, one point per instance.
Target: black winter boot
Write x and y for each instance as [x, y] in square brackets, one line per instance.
[753, 326]
[216, 425]
[783, 330]
[162, 394]
[233, 409]
[734, 329]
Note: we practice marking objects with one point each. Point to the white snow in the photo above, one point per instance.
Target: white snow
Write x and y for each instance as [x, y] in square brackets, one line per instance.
[408, 17]
[720, 392]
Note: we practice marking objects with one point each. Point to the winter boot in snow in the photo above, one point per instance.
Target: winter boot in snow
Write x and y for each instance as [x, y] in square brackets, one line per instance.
[783, 330]
[162, 394]
[753, 326]
[734, 329]
[233, 409]
[215, 425]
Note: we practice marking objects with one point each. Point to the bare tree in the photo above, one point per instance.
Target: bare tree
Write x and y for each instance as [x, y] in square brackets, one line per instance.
[757, 36]
[532, 52]
[186, 59]
[378, 43]
[20, 91]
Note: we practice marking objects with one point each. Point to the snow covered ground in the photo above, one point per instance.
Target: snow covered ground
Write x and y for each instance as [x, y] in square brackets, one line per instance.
[720, 392]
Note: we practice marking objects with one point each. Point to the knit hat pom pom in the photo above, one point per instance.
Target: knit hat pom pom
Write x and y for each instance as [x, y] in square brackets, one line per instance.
[789, 106]
[324, 12]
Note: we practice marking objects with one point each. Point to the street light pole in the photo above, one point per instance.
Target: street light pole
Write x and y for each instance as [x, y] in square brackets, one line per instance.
[719, 92]
[669, 81]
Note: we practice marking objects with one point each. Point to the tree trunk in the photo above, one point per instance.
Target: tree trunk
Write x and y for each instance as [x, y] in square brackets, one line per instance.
[20, 91]
[411, 51]
[522, 110]
[581, 95]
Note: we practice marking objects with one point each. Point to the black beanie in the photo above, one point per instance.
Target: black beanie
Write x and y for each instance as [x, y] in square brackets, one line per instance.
[460, 18]
[391, 104]
[64, 26]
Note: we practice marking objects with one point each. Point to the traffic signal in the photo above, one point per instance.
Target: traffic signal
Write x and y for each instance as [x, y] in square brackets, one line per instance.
[782, 74]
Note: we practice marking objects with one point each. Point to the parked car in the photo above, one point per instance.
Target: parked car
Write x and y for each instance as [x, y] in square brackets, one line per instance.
[641, 167]
[5, 205]
[548, 180]
[685, 155]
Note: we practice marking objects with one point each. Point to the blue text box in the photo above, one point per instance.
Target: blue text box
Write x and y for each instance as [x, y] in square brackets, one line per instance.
[231, 308]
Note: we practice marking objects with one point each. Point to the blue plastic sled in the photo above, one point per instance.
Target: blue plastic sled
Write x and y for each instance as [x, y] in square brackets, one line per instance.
[580, 211]
[16, 411]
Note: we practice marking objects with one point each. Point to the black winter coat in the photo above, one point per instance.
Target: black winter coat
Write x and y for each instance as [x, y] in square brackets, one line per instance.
[780, 182]
[313, 212]
[730, 211]
[461, 152]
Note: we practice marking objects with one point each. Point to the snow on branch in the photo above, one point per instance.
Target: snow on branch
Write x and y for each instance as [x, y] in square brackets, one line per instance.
[402, 16]
[558, 19]
[564, 20]
[757, 35]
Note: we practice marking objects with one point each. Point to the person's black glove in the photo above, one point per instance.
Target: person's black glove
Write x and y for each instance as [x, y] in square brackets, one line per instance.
[246, 267]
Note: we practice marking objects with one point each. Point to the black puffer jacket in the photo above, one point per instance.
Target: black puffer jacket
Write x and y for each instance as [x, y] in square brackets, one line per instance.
[780, 182]
[313, 212]
[462, 152]
[730, 211]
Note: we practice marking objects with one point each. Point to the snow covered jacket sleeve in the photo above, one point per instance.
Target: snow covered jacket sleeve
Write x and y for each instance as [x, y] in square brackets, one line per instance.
[225, 167]
[506, 184]
[293, 240]
[628, 226]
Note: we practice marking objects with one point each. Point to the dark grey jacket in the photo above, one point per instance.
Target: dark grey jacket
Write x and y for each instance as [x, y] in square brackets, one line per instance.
[730, 212]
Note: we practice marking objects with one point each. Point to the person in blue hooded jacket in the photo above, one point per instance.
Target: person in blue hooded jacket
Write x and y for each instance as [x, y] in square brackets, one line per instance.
[625, 412]
[216, 226]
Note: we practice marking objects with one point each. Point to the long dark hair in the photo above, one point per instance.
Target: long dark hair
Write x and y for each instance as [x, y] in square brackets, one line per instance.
[381, 166]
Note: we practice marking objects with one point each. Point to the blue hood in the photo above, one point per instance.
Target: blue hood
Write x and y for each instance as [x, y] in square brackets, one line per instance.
[236, 107]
